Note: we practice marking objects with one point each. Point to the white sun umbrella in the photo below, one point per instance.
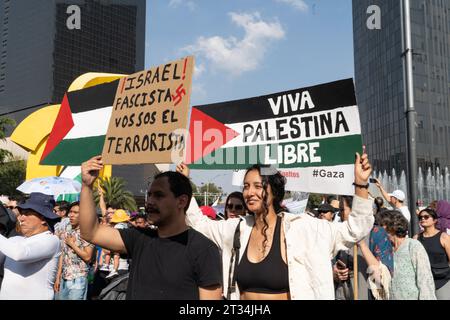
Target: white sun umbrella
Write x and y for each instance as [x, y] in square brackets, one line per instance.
[54, 186]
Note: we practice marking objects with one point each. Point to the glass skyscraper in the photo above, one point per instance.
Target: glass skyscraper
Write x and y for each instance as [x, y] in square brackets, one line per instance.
[40, 55]
[379, 82]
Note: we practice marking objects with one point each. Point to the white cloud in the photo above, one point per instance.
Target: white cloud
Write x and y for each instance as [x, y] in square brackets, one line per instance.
[198, 92]
[297, 4]
[238, 56]
[177, 3]
[199, 69]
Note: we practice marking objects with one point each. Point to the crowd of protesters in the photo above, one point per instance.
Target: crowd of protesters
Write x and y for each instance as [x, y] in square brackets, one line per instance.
[390, 264]
[43, 255]
[345, 248]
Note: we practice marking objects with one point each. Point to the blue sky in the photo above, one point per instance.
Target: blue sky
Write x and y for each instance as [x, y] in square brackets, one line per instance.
[247, 48]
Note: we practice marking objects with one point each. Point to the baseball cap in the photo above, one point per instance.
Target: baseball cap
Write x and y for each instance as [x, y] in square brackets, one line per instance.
[209, 212]
[399, 194]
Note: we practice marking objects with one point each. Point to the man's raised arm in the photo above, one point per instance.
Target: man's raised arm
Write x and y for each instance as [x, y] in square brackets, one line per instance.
[90, 229]
[383, 192]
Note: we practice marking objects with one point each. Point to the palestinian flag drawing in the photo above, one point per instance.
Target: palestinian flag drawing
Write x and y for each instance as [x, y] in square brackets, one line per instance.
[311, 134]
[80, 127]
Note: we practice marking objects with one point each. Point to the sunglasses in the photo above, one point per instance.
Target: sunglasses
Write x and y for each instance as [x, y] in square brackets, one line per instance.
[424, 217]
[235, 206]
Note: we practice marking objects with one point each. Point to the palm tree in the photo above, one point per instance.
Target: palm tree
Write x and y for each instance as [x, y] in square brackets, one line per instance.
[115, 194]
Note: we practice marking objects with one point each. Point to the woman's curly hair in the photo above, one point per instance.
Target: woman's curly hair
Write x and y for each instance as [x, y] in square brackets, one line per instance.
[396, 223]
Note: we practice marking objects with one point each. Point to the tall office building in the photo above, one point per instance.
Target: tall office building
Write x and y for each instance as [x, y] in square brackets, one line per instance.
[379, 82]
[42, 50]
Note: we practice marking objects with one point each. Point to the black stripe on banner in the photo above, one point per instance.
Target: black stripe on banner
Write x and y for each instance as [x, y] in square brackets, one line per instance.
[325, 97]
[91, 98]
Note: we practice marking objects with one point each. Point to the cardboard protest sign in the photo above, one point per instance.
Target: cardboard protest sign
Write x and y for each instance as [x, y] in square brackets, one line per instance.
[149, 109]
[310, 134]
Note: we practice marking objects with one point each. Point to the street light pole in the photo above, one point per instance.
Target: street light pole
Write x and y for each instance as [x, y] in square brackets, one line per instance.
[410, 114]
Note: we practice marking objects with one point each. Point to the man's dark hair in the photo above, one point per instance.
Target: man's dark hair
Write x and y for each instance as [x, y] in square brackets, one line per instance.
[348, 200]
[331, 198]
[396, 223]
[73, 204]
[63, 206]
[18, 198]
[382, 217]
[178, 183]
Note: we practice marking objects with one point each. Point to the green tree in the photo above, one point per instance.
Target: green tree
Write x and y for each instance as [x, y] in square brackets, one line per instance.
[314, 200]
[12, 175]
[210, 190]
[115, 194]
[5, 122]
[194, 188]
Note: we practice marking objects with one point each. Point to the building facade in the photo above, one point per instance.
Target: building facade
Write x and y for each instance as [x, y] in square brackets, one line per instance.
[44, 47]
[379, 82]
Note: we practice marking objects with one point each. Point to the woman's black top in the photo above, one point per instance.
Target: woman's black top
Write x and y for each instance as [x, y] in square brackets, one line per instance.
[268, 276]
[438, 259]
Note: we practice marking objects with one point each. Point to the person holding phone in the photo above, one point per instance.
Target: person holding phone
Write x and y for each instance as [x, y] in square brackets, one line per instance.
[341, 277]
[343, 267]
[396, 199]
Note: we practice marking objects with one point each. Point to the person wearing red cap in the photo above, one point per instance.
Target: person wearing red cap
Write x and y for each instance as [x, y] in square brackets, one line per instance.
[209, 212]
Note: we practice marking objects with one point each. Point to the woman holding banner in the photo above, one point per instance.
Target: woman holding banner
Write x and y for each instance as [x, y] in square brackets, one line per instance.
[274, 255]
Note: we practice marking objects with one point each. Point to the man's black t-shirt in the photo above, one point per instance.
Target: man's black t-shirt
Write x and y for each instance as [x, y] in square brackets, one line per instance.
[170, 268]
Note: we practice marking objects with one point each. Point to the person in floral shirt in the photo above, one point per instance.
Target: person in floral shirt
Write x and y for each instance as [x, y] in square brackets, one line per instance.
[379, 243]
[72, 278]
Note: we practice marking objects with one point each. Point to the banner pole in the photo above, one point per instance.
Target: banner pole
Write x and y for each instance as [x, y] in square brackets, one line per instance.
[355, 272]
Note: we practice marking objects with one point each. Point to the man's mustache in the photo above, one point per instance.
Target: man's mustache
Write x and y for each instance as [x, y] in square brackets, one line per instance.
[151, 210]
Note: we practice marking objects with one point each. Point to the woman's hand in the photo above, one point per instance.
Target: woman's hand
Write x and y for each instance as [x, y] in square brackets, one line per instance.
[183, 169]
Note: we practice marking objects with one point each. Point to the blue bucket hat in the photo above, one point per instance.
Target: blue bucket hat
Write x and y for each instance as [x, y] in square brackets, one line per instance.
[40, 203]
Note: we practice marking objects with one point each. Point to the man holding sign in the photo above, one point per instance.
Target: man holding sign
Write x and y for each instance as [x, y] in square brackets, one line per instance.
[172, 262]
